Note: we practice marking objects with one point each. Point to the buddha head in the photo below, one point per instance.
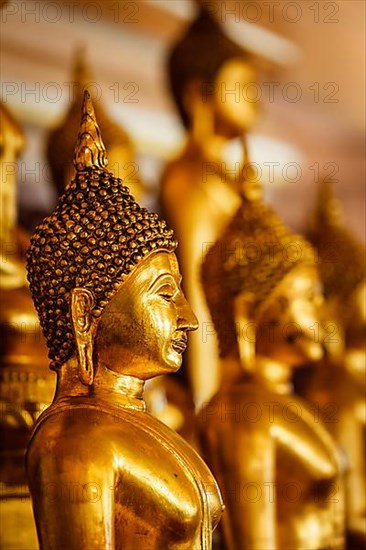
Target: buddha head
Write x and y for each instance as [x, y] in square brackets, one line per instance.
[103, 274]
[341, 267]
[262, 288]
[205, 66]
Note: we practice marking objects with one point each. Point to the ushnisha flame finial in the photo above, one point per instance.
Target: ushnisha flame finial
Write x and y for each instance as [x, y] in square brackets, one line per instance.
[89, 151]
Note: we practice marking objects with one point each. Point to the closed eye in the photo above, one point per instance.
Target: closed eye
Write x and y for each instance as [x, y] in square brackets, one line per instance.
[166, 297]
[166, 292]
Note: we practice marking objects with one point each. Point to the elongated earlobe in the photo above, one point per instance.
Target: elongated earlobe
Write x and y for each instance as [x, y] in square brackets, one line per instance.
[246, 332]
[198, 105]
[82, 303]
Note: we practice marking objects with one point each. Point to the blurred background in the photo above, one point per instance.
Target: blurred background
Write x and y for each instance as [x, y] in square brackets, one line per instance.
[312, 92]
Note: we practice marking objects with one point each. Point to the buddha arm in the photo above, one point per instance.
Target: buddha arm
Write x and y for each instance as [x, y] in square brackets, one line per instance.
[72, 494]
[243, 461]
[310, 444]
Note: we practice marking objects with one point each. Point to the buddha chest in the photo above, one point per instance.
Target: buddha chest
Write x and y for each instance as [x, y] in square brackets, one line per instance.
[152, 489]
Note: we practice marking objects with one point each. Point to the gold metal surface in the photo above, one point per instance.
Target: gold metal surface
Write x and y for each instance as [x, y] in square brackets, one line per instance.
[277, 466]
[199, 190]
[61, 140]
[26, 385]
[122, 162]
[106, 285]
[338, 385]
[11, 145]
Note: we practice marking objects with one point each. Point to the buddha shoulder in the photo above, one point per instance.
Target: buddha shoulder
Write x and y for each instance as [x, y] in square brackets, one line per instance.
[79, 420]
[249, 408]
[120, 437]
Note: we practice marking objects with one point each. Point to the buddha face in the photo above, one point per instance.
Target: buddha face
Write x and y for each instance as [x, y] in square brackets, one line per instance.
[143, 330]
[355, 356]
[357, 324]
[289, 328]
[235, 100]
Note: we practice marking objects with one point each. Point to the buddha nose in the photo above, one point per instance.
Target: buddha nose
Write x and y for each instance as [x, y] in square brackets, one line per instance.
[187, 320]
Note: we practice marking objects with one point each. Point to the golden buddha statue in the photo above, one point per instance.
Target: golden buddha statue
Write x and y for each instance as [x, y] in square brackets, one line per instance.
[199, 190]
[106, 285]
[26, 384]
[337, 386]
[164, 397]
[61, 140]
[276, 465]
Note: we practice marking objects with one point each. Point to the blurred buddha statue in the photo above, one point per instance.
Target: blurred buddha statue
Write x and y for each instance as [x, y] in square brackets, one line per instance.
[11, 146]
[26, 384]
[106, 285]
[337, 387]
[25, 381]
[61, 140]
[276, 464]
[199, 190]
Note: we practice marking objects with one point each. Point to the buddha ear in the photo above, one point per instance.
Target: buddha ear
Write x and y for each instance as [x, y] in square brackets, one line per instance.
[84, 325]
[245, 330]
[197, 100]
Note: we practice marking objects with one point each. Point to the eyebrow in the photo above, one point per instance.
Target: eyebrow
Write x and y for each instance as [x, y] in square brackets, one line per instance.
[162, 276]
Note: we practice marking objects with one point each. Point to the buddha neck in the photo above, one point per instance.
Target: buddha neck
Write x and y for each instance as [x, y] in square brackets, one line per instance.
[231, 370]
[355, 362]
[274, 375]
[212, 148]
[224, 159]
[125, 390]
[108, 386]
